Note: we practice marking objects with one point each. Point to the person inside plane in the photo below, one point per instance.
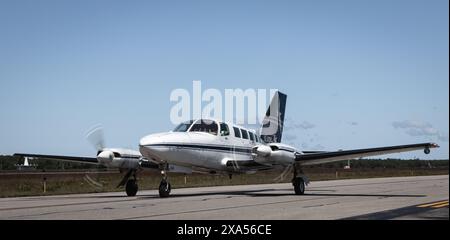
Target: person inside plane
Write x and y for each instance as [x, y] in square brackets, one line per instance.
[207, 126]
[224, 131]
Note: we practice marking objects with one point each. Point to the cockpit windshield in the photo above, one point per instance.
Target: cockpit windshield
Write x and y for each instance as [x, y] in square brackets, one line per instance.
[183, 127]
[207, 126]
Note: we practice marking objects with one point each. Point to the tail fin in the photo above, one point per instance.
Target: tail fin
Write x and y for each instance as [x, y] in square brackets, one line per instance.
[272, 125]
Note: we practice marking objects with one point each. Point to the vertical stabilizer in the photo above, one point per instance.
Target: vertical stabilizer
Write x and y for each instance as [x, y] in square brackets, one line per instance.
[272, 125]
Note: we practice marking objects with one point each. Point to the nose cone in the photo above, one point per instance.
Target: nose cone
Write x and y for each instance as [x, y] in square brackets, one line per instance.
[158, 146]
[149, 146]
[164, 138]
[150, 140]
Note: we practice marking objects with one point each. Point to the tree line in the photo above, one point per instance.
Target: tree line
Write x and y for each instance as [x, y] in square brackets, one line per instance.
[9, 163]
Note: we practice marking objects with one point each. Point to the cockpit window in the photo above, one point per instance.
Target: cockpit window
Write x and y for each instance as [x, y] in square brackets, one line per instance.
[224, 131]
[207, 126]
[183, 127]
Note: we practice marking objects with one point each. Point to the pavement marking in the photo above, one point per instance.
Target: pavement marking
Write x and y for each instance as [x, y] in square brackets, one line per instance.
[440, 205]
[434, 210]
[434, 204]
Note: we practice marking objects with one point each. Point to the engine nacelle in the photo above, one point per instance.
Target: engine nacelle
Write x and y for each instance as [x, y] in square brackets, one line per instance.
[105, 157]
[263, 151]
[274, 154]
[119, 158]
[126, 163]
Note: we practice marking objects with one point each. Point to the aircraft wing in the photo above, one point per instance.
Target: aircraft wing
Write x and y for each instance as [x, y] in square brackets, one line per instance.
[88, 160]
[325, 157]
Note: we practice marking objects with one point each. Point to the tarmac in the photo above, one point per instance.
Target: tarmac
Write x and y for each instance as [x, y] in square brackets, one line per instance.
[423, 197]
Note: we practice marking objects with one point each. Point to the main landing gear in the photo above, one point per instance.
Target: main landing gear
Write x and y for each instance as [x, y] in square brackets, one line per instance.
[130, 182]
[164, 186]
[131, 188]
[299, 186]
[299, 181]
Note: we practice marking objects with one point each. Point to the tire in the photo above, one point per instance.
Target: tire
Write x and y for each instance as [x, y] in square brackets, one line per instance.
[299, 186]
[164, 189]
[131, 188]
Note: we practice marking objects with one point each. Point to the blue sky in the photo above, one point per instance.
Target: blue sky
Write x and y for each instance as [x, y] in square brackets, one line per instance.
[357, 73]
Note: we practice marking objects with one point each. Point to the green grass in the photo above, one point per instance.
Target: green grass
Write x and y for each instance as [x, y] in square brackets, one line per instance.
[31, 184]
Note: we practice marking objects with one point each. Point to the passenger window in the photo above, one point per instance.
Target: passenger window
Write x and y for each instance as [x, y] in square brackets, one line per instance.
[244, 134]
[224, 131]
[237, 133]
[207, 126]
[252, 137]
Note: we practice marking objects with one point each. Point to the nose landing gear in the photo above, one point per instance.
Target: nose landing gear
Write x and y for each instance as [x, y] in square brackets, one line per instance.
[164, 186]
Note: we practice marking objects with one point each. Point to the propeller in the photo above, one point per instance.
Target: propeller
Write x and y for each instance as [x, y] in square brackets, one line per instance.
[105, 156]
[96, 138]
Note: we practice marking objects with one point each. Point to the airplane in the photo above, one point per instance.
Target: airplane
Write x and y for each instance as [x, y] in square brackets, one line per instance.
[216, 147]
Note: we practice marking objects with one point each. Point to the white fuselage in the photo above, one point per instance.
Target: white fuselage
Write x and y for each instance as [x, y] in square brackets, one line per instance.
[196, 149]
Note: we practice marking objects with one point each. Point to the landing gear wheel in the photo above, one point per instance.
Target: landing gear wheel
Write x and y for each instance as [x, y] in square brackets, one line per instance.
[164, 189]
[299, 186]
[131, 188]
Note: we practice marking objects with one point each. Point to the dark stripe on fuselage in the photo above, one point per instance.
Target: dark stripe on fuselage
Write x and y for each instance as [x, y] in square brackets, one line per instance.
[203, 147]
[287, 150]
[244, 163]
[130, 157]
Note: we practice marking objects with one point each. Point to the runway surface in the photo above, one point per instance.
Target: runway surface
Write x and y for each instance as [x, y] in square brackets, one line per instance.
[424, 197]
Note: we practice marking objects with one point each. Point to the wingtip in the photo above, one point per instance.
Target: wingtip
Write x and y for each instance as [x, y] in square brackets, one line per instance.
[434, 145]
